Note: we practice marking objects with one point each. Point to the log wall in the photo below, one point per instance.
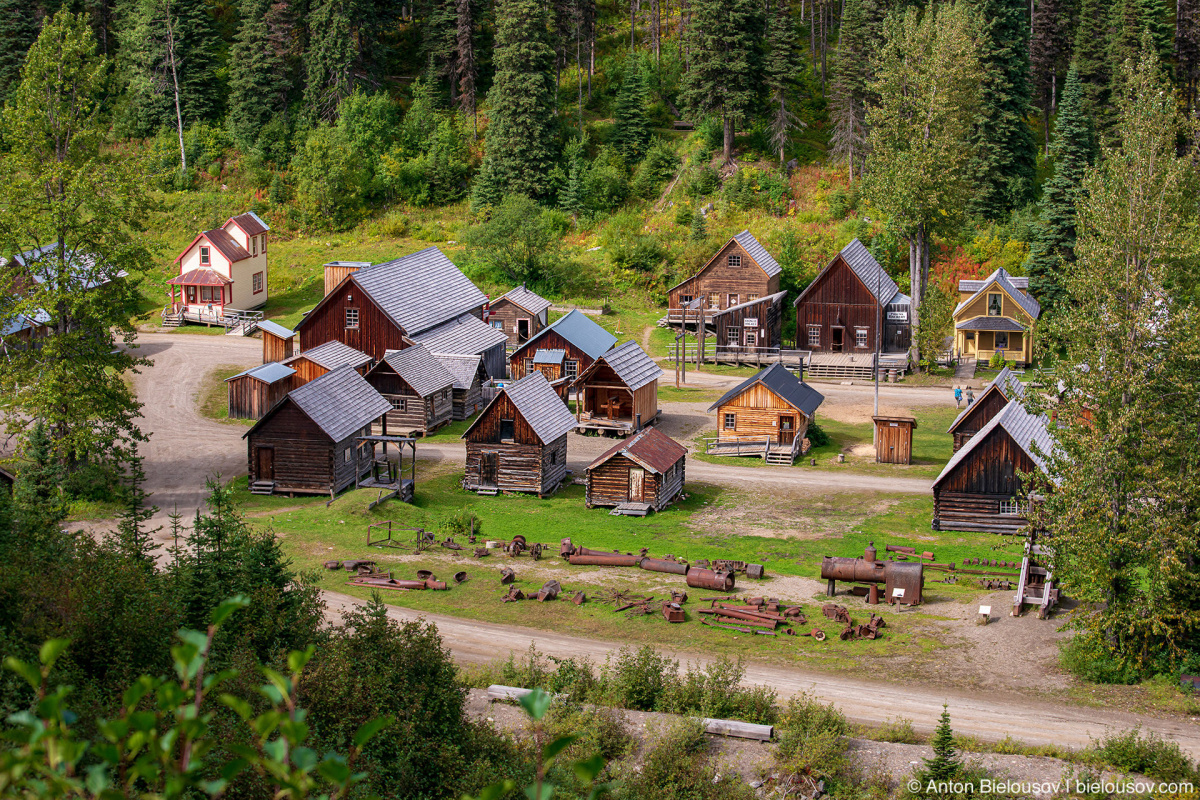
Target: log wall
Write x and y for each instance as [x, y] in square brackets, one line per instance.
[519, 467]
[717, 277]
[608, 484]
[305, 460]
[769, 331]
[250, 398]
[981, 412]
[552, 340]
[508, 313]
[969, 497]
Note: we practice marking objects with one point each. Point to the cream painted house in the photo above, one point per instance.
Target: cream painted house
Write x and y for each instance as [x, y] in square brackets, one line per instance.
[223, 270]
[996, 314]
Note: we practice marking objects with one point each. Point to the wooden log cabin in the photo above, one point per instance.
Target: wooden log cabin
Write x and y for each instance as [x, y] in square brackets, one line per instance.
[308, 443]
[277, 341]
[469, 379]
[996, 315]
[418, 388]
[254, 392]
[840, 310]
[581, 340]
[519, 313]
[645, 472]
[312, 364]
[518, 443]
[742, 271]
[893, 439]
[990, 402]
[619, 391]
[386, 306]
[469, 336]
[766, 416]
[20, 331]
[980, 487]
[752, 326]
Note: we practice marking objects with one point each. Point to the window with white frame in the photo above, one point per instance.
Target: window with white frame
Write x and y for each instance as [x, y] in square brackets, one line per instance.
[860, 337]
[351, 319]
[733, 335]
[258, 282]
[730, 421]
[734, 259]
[253, 245]
[204, 257]
[734, 299]
[264, 243]
[498, 324]
[714, 300]
[1012, 507]
[814, 335]
[684, 299]
[993, 305]
[571, 368]
[528, 365]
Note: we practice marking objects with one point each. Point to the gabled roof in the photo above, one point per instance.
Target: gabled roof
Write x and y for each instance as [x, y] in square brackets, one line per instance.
[275, 329]
[538, 404]
[779, 380]
[339, 403]
[80, 264]
[549, 356]
[1006, 383]
[1002, 279]
[630, 362]
[771, 298]
[463, 368]
[759, 253]
[466, 334]
[332, 355]
[205, 276]
[420, 291]
[417, 367]
[1026, 429]
[267, 373]
[990, 324]
[873, 276]
[974, 285]
[251, 223]
[520, 296]
[650, 448]
[226, 245]
[579, 330]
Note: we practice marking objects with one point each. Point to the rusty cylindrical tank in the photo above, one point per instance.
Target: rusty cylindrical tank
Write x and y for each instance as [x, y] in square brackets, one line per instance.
[604, 560]
[853, 570]
[709, 579]
[663, 565]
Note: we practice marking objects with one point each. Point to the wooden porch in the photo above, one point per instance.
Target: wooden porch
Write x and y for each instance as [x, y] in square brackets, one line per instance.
[768, 448]
[380, 472]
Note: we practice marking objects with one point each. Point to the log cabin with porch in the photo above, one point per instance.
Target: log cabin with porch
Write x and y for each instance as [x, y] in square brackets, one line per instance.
[742, 271]
[996, 315]
[519, 313]
[980, 488]
[468, 335]
[278, 341]
[222, 273]
[990, 402]
[256, 391]
[518, 443]
[312, 364]
[581, 340]
[766, 416]
[309, 443]
[643, 473]
[469, 380]
[618, 393]
[418, 388]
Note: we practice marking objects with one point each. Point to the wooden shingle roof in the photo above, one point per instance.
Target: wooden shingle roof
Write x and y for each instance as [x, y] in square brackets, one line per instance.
[538, 404]
[417, 367]
[332, 355]
[520, 296]
[420, 291]
[579, 330]
[466, 334]
[759, 253]
[339, 403]
[630, 362]
[1031, 432]
[463, 368]
[1006, 383]
[779, 380]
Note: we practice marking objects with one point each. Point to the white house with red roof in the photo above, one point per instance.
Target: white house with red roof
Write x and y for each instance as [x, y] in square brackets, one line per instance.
[222, 271]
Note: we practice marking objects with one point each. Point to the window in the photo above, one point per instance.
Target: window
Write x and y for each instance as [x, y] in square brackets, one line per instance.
[253, 245]
[571, 369]
[397, 403]
[346, 455]
[684, 299]
[204, 259]
[351, 319]
[969, 336]
[860, 337]
[994, 305]
[733, 336]
[714, 300]
[210, 294]
[730, 421]
[553, 457]
[751, 338]
[528, 365]
[445, 393]
[814, 335]
[1011, 507]
[734, 260]
[498, 324]
[1001, 340]
[734, 299]
[264, 243]
[257, 279]
[750, 298]
[507, 430]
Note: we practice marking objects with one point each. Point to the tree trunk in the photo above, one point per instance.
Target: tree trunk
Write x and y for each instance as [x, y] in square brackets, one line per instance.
[175, 85]
[728, 138]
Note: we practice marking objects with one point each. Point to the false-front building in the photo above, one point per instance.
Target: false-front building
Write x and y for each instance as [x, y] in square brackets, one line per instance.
[418, 388]
[996, 315]
[222, 271]
[767, 416]
[567, 347]
[990, 402]
[519, 314]
[619, 391]
[647, 469]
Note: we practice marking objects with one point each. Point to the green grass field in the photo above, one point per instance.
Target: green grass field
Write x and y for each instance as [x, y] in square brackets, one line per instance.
[213, 401]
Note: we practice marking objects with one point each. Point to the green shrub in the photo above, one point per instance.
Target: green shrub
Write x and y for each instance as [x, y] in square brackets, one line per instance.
[600, 730]
[463, 522]
[1146, 755]
[1093, 661]
[683, 215]
[676, 766]
[817, 436]
[656, 168]
[531, 672]
[639, 678]
[899, 731]
[811, 739]
[574, 679]
[715, 691]
[701, 181]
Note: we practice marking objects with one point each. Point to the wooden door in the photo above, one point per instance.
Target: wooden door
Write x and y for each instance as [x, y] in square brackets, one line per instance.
[264, 468]
[637, 484]
[787, 430]
[837, 337]
[487, 469]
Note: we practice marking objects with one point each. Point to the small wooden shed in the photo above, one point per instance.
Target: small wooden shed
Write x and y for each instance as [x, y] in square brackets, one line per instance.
[519, 314]
[417, 387]
[469, 377]
[893, 439]
[315, 362]
[277, 341]
[990, 402]
[642, 473]
[766, 415]
[619, 391]
[252, 393]
[518, 443]
[308, 442]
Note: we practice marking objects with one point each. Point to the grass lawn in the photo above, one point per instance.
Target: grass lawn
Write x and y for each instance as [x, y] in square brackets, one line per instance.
[451, 432]
[213, 401]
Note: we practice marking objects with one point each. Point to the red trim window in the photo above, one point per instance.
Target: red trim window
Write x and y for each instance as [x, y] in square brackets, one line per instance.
[253, 245]
[204, 258]
[258, 282]
[212, 294]
[264, 243]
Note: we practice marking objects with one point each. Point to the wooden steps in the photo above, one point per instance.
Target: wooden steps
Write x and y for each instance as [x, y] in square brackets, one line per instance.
[631, 510]
[262, 487]
[489, 491]
[780, 458]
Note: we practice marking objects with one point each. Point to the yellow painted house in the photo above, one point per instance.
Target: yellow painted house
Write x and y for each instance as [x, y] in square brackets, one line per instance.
[996, 314]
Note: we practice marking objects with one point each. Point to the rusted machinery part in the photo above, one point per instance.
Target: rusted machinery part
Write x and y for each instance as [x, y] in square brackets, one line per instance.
[710, 579]
[604, 560]
[481, 552]
[907, 576]
[565, 548]
[755, 610]
[460, 577]
[853, 570]
[817, 634]
[513, 595]
[672, 612]
[579, 598]
[755, 571]
[438, 585]
[518, 538]
[702, 563]
[507, 575]
[536, 551]
[836, 612]
[450, 544]
[333, 565]
[678, 596]
[424, 574]
[737, 628]
[584, 551]
[549, 591]
[389, 583]
[745, 619]
[353, 564]
[663, 565]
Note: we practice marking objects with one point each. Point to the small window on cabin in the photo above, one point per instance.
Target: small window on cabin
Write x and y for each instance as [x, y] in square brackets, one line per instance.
[814, 335]
[445, 393]
[253, 245]
[397, 403]
[346, 455]
[528, 365]
[734, 260]
[714, 300]
[507, 430]
[258, 282]
[734, 299]
[994, 305]
[204, 259]
[733, 336]
[571, 369]
[730, 421]
[1011, 507]
[210, 294]
[351, 319]
[498, 324]
[860, 337]
[684, 299]
[553, 457]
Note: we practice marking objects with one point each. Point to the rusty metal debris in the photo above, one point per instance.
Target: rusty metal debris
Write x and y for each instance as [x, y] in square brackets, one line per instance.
[549, 591]
[450, 544]
[902, 581]
[513, 594]
[678, 596]
[603, 559]
[507, 575]
[672, 612]
[579, 598]
[460, 577]
[738, 628]
[565, 548]
[424, 574]
[710, 579]
[663, 565]
[333, 565]
[836, 613]
[996, 584]
[815, 633]
[481, 552]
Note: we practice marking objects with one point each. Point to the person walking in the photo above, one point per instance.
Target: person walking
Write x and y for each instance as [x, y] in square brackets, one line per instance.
[970, 396]
[958, 397]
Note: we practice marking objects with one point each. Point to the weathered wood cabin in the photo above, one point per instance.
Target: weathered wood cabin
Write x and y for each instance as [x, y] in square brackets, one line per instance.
[308, 443]
[20, 331]
[619, 391]
[645, 471]
[840, 310]
[893, 439]
[386, 306]
[980, 487]
[469, 378]
[990, 402]
[254, 392]
[469, 336]
[518, 443]
[742, 271]
[766, 415]
[996, 314]
[519, 313]
[277, 341]
[750, 326]
[312, 364]
[581, 340]
[418, 388]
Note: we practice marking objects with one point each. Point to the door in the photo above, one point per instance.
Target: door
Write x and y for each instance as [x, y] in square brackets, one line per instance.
[836, 343]
[969, 343]
[637, 484]
[522, 330]
[264, 467]
[787, 430]
[487, 469]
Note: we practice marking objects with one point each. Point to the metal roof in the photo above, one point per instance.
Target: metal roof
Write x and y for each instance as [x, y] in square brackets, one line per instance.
[38, 268]
[1006, 383]
[226, 244]
[275, 329]
[270, 372]
[1030, 431]
[205, 276]
[974, 285]
[779, 380]
[19, 322]
[990, 324]
[421, 290]
[771, 298]
[417, 367]
[251, 223]
[650, 448]
[549, 356]
[538, 404]
[1002, 279]
[632, 365]
[355, 264]
[758, 253]
[334, 354]
[466, 334]
[520, 296]
[462, 367]
[339, 402]
[873, 276]
[580, 331]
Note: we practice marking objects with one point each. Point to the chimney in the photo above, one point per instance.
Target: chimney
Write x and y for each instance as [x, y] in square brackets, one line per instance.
[638, 420]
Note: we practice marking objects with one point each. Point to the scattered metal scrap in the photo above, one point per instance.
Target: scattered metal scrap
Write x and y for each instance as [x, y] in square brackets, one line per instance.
[513, 594]
[672, 612]
[549, 591]
[460, 577]
[902, 580]
[507, 575]
[836, 613]
[384, 580]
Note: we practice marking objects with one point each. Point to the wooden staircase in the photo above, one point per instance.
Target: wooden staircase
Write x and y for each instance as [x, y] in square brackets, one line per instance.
[171, 319]
[262, 487]
[782, 458]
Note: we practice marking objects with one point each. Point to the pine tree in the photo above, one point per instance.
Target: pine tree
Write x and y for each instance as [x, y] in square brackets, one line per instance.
[1091, 62]
[1047, 50]
[464, 61]
[38, 506]
[780, 68]
[1054, 238]
[329, 59]
[1004, 161]
[521, 147]
[258, 74]
[631, 115]
[18, 31]
[723, 77]
[849, 91]
[1187, 51]
[134, 540]
[699, 227]
[945, 765]
[212, 564]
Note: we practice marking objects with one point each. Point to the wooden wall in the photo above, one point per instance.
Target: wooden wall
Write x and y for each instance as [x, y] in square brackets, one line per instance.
[275, 348]
[893, 442]
[980, 414]
[305, 459]
[466, 402]
[770, 320]
[608, 484]
[508, 312]
[837, 299]
[758, 410]
[519, 467]
[551, 341]
[421, 414]
[375, 335]
[495, 361]
[969, 497]
[594, 391]
[717, 276]
[487, 428]
[335, 275]
[250, 398]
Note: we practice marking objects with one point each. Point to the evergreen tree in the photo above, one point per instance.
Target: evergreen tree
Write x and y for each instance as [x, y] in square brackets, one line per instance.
[1054, 237]
[18, 31]
[945, 765]
[1004, 158]
[1091, 62]
[780, 68]
[211, 564]
[573, 191]
[631, 114]
[1187, 51]
[258, 74]
[699, 227]
[465, 60]
[723, 74]
[1129, 19]
[329, 59]
[38, 505]
[134, 540]
[850, 87]
[1047, 50]
[520, 148]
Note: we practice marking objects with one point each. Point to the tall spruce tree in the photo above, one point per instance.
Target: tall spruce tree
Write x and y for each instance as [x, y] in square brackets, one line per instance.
[329, 59]
[258, 74]
[1072, 152]
[1004, 159]
[464, 60]
[520, 148]
[722, 79]
[780, 68]
[849, 91]
[1048, 48]
[134, 539]
[631, 112]
[1187, 51]
[1092, 64]
[945, 764]
[18, 31]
